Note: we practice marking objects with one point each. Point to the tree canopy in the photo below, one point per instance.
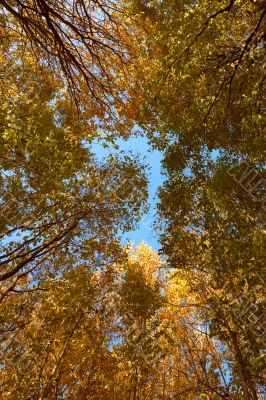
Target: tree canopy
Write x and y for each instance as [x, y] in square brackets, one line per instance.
[82, 314]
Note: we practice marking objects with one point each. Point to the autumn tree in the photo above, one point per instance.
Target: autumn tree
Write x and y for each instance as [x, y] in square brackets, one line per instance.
[199, 78]
[200, 73]
[82, 317]
[86, 334]
[78, 40]
[53, 190]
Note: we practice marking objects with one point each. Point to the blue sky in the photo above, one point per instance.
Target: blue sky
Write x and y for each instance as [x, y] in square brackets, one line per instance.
[139, 146]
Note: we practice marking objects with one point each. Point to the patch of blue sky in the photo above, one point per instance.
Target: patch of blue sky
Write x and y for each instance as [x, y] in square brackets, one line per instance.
[152, 158]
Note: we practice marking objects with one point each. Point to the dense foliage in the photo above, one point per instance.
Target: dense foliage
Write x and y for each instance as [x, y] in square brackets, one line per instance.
[81, 315]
